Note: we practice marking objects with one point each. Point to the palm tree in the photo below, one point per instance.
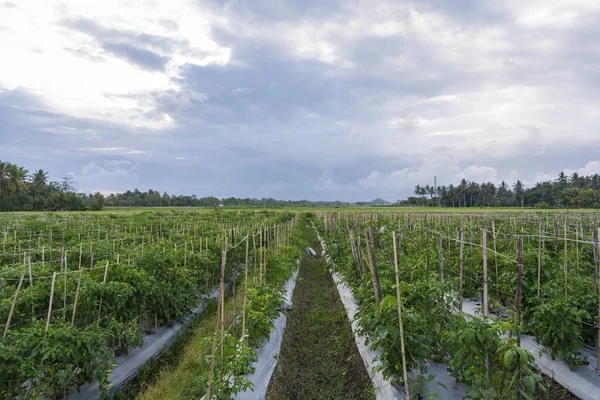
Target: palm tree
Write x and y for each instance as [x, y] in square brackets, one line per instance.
[4, 167]
[473, 186]
[40, 178]
[562, 179]
[418, 190]
[452, 193]
[463, 189]
[519, 189]
[442, 194]
[39, 182]
[16, 178]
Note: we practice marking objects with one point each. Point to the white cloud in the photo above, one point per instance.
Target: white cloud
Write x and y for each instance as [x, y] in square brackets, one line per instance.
[411, 122]
[109, 170]
[105, 192]
[479, 174]
[591, 168]
[70, 70]
[371, 181]
[111, 150]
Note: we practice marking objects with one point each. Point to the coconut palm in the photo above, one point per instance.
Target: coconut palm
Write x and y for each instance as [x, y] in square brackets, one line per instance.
[17, 176]
[519, 192]
[4, 167]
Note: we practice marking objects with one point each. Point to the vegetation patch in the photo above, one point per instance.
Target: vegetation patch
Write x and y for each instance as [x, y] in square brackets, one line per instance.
[319, 358]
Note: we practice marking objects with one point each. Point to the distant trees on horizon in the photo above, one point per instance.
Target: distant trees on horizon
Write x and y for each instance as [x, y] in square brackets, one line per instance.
[574, 191]
[22, 191]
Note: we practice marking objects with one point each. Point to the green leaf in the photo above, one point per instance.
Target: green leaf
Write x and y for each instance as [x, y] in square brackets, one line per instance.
[508, 358]
[529, 384]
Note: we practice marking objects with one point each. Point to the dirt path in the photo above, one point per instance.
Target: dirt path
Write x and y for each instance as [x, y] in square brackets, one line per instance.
[319, 358]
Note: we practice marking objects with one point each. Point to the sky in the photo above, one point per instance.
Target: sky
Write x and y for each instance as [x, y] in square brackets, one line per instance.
[304, 99]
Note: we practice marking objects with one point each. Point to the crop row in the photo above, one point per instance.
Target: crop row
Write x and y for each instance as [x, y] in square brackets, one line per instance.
[538, 272]
[77, 290]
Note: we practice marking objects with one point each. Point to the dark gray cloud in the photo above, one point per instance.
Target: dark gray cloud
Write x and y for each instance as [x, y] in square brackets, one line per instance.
[319, 99]
[143, 58]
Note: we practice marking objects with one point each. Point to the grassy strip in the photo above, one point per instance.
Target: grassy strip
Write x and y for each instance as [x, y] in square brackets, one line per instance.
[319, 358]
[168, 376]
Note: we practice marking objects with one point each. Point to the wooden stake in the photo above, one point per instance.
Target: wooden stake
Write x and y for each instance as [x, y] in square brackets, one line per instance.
[460, 269]
[254, 258]
[369, 262]
[485, 291]
[497, 281]
[539, 271]
[565, 259]
[441, 257]
[12, 307]
[224, 261]
[260, 251]
[216, 331]
[31, 284]
[245, 290]
[103, 282]
[398, 294]
[598, 287]
[78, 286]
[485, 271]
[518, 300]
[50, 304]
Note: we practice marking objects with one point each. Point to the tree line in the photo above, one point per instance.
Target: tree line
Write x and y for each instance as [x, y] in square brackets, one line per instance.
[21, 190]
[153, 198]
[566, 191]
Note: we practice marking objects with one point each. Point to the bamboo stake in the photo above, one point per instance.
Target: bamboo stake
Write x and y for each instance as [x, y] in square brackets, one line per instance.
[460, 269]
[31, 284]
[223, 295]
[369, 262]
[374, 261]
[103, 282]
[78, 286]
[485, 271]
[497, 281]
[598, 286]
[216, 331]
[518, 301]
[485, 292]
[12, 307]
[260, 253]
[254, 258]
[565, 258]
[65, 284]
[398, 294]
[577, 249]
[245, 290]
[441, 257]
[50, 304]
[233, 274]
[539, 271]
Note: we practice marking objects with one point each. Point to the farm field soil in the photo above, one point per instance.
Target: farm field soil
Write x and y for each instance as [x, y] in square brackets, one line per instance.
[319, 358]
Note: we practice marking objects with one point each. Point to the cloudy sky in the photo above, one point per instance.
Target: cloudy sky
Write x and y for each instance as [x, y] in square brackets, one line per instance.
[346, 99]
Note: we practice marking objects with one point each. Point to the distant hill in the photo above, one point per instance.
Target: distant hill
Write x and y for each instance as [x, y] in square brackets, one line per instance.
[376, 202]
[379, 202]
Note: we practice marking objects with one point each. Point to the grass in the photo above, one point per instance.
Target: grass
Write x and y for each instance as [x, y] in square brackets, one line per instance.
[169, 377]
[319, 358]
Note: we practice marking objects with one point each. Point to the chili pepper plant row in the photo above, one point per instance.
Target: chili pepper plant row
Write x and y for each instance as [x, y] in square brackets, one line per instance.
[537, 271]
[78, 289]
